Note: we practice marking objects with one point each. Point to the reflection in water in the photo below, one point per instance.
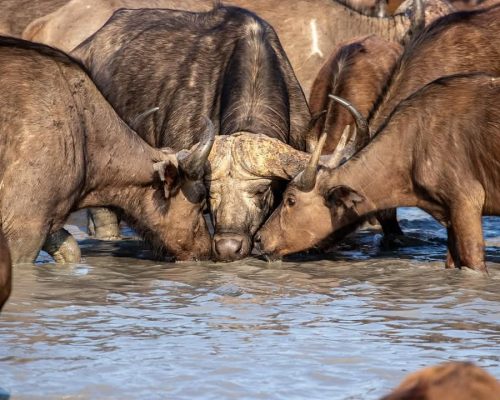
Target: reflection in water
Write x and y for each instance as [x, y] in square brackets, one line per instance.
[348, 327]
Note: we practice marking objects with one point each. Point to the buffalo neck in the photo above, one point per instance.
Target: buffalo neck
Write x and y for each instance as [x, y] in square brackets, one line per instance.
[118, 160]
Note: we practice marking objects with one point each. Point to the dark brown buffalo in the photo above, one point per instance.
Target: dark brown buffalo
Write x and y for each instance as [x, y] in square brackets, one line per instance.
[62, 148]
[438, 151]
[5, 271]
[15, 15]
[448, 381]
[309, 30]
[227, 64]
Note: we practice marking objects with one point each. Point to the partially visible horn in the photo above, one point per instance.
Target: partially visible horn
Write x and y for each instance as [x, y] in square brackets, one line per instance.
[339, 153]
[307, 179]
[193, 164]
[363, 130]
[139, 119]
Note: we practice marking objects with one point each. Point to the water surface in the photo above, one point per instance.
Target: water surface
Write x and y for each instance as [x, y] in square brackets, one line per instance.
[346, 327]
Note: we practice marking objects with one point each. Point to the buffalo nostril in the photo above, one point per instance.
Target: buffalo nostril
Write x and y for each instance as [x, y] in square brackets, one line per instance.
[228, 247]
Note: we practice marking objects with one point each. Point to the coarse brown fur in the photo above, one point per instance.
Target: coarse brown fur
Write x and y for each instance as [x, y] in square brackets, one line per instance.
[356, 71]
[62, 148]
[437, 151]
[5, 271]
[467, 5]
[448, 381]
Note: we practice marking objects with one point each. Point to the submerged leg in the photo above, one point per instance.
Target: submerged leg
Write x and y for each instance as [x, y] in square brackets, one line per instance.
[62, 246]
[103, 224]
[452, 257]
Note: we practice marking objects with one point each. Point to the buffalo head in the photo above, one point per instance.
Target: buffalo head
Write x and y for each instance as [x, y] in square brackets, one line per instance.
[246, 172]
[313, 205]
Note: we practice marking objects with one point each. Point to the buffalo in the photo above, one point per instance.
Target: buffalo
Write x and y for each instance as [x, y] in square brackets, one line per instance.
[437, 151]
[308, 30]
[5, 271]
[356, 71]
[62, 148]
[448, 381]
[227, 64]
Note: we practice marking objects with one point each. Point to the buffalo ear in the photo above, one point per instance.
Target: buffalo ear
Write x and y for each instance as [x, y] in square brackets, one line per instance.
[343, 196]
[168, 174]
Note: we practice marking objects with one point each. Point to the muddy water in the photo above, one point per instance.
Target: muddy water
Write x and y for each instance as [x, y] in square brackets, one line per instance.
[348, 327]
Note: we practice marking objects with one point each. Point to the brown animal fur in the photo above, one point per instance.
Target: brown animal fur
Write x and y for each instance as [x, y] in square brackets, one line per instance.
[438, 151]
[15, 15]
[5, 271]
[356, 71]
[467, 5]
[448, 381]
[62, 148]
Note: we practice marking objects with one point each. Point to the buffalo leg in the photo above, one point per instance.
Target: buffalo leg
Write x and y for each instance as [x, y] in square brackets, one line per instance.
[466, 224]
[393, 235]
[452, 257]
[103, 224]
[25, 242]
[389, 221]
[62, 246]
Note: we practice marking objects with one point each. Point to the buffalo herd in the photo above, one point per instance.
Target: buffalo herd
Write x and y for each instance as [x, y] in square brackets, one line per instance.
[289, 123]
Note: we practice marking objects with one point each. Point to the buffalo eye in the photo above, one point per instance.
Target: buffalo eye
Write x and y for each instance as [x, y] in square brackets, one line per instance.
[290, 201]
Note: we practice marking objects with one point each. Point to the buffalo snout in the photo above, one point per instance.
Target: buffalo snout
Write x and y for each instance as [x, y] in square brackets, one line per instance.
[230, 246]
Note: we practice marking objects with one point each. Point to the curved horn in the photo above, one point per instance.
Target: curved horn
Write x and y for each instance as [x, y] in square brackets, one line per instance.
[139, 119]
[193, 164]
[307, 179]
[363, 130]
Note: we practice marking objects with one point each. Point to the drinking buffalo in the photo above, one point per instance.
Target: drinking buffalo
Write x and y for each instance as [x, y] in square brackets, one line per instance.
[5, 271]
[438, 151]
[62, 148]
[308, 30]
[227, 64]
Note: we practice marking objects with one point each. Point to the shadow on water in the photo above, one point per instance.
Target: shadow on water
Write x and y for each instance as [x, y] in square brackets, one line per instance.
[347, 325]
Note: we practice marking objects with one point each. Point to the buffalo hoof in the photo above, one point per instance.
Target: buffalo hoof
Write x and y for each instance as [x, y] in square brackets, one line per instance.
[103, 224]
[63, 247]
